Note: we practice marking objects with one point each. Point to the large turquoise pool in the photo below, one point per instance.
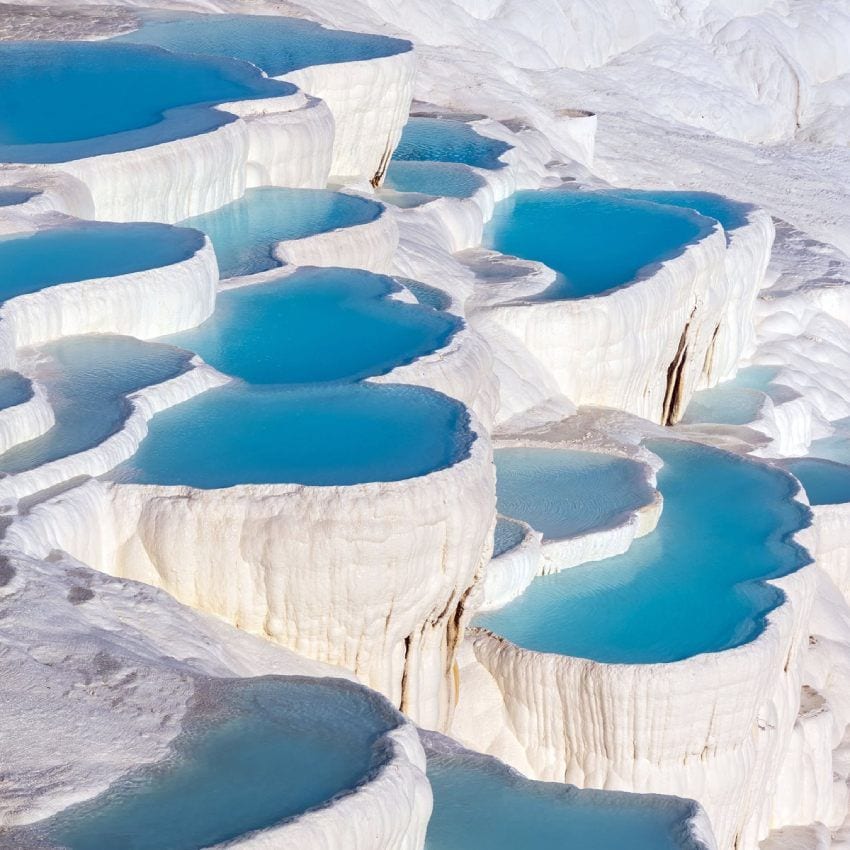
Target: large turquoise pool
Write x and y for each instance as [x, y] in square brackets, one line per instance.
[564, 493]
[255, 753]
[66, 100]
[448, 140]
[317, 435]
[595, 241]
[273, 43]
[694, 585]
[244, 232]
[88, 379]
[318, 324]
[84, 251]
[479, 804]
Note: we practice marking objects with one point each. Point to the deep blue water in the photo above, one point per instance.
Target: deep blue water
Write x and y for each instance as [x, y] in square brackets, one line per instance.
[448, 140]
[87, 384]
[564, 493]
[78, 252]
[594, 240]
[14, 389]
[275, 44]
[729, 213]
[317, 324]
[694, 585]
[243, 232]
[434, 179]
[508, 535]
[258, 751]
[317, 435]
[825, 482]
[104, 97]
[480, 805]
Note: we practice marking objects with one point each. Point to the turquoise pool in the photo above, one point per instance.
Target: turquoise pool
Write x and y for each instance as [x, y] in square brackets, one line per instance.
[479, 804]
[75, 252]
[826, 482]
[731, 214]
[448, 140]
[572, 233]
[432, 180]
[255, 753]
[694, 585]
[87, 380]
[507, 535]
[105, 97]
[11, 196]
[244, 232]
[564, 493]
[316, 435]
[15, 389]
[275, 44]
[735, 402]
[318, 324]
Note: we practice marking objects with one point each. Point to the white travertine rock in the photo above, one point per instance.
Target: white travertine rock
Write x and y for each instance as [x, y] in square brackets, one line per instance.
[27, 420]
[509, 574]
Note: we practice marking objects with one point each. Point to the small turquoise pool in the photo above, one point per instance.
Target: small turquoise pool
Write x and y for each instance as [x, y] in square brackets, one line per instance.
[15, 389]
[275, 44]
[431, 179]
[825, 482]
[76, 252]
[316, 435]
[694, 585]
[507, 535]
[448, 140]
[255, 753]
[564, 493]
[595, 241]
[11, 196]
[105, 97]
[87, 380]
[318, 324]
[836, 446]
[731, 214]
[244, 232]
[479, 804]
[735, 402]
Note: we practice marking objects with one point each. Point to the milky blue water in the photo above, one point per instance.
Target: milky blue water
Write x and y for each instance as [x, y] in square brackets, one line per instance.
[729, 213]
[316, 325]
[87, 381]
[256, 753]
[480, 805]
[448, 140]
[318, 435]
[105, 97]
[735, 402]
[244, 232]
[835, 447]
[564, 493]
[433, 179]
[84, 251]
[825, 482]
[694, 585]
[277, 45]
[9, 197]
[14, 389]
[508, 535]
[594, 240]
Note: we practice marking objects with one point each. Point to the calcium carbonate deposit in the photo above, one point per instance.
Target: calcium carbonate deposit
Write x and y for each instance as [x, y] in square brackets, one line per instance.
[425, 424]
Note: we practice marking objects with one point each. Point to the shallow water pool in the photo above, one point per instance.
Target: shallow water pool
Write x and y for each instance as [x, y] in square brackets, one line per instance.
[316, 435]
[431, 179]
[595, 241]
[694, 585]
[731, 214]
[825, 482]
[735, 402]
[448, 140]
[15, 389]
[71, 253]
[318, 324]
[244, 232]
[508, 535]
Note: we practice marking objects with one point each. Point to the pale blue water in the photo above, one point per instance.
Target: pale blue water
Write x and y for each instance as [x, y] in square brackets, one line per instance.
[835, 447]
[78, 252]
[735, 402]
[594, 240]
[825, 482]
[14, 389]
[89, 379]
[10, 197]
[317, 435]
[508, 535]
[448, 140]
[481, 805]
[104, 97]
[694, 585]
[244, 231]
[277, 45]
[731, 214]
[433, 179]
[316, 325]
[564, 493]
[256, 753]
